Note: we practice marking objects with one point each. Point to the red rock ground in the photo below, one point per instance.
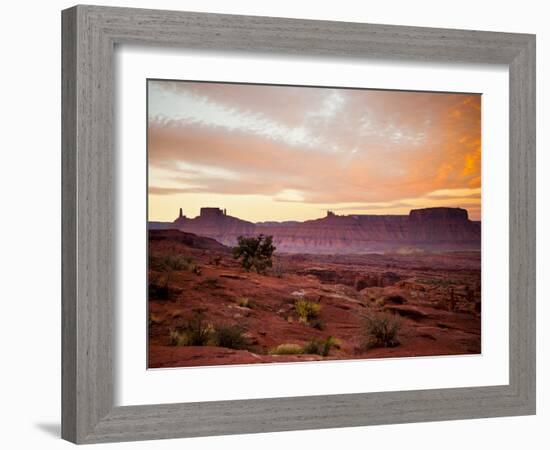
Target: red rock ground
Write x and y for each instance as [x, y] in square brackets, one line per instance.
[435, 296]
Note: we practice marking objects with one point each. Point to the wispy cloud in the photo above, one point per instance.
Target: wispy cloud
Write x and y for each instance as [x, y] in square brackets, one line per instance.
[180, 109]
[377, 149]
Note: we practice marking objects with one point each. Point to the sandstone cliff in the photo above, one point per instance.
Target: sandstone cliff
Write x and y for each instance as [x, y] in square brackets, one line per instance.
[426, 229]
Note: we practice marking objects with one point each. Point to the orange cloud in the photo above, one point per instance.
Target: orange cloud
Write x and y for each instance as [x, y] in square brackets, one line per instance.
[325, 146]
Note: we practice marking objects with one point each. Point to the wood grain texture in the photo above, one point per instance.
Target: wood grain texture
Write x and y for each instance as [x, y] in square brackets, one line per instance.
[89, 36]
[68, 226]
[523, 224]
[87, 207]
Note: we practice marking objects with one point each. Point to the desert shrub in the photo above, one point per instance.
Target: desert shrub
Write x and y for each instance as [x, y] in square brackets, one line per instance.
[287, 349]
[172, 263]
[244, 302]
[318, 324]
[178, 338]
[159, 288]
[320, 347]
[380, 330]
[306, 310]
[230, 336]
[196, 331]
[313, 347]
[255, 253]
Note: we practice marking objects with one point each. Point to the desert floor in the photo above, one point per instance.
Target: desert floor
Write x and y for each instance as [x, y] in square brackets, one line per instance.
[435, 299]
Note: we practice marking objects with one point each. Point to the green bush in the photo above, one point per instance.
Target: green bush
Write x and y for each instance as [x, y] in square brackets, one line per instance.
[318, 324]
[230, 336]
[306, 310]
[195, 332]
[172, 263]
[255, 253]
[159, 288]
[198, 332]
[320, 347]
[287, 349]
[380, 330]
[178, 338]
[313, 347]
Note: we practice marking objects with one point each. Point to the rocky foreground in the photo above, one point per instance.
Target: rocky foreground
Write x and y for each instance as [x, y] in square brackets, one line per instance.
[433, 297]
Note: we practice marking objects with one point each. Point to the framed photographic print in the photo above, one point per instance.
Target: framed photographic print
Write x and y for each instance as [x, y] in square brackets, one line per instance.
[346, 218]
[256, 209]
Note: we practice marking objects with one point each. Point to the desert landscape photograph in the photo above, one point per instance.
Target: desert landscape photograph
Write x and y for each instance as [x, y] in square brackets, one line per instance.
[291, 224]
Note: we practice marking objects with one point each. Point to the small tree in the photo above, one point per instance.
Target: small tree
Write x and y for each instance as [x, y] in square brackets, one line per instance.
[255, 252]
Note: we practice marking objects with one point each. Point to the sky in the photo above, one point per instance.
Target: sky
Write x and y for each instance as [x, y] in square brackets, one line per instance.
[267, 152]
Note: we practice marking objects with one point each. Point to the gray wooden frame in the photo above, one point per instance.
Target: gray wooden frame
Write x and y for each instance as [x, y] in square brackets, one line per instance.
[89, 36]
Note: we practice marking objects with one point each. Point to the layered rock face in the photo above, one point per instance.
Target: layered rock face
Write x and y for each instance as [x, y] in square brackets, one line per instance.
[428, 229]
[338, 234]
[215, 224]
[439, 225]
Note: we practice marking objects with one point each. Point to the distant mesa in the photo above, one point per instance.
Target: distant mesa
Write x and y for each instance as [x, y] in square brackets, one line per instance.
[440, 228]
[453, 214]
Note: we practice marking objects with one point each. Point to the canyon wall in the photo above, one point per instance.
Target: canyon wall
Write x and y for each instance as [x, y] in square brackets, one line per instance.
[425, 229]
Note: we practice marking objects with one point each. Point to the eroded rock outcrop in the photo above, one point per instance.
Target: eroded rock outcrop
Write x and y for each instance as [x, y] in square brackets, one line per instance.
[429, 229]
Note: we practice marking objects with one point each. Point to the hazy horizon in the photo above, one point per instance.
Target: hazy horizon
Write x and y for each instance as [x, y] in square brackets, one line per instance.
[321, 215]
[277, 153]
